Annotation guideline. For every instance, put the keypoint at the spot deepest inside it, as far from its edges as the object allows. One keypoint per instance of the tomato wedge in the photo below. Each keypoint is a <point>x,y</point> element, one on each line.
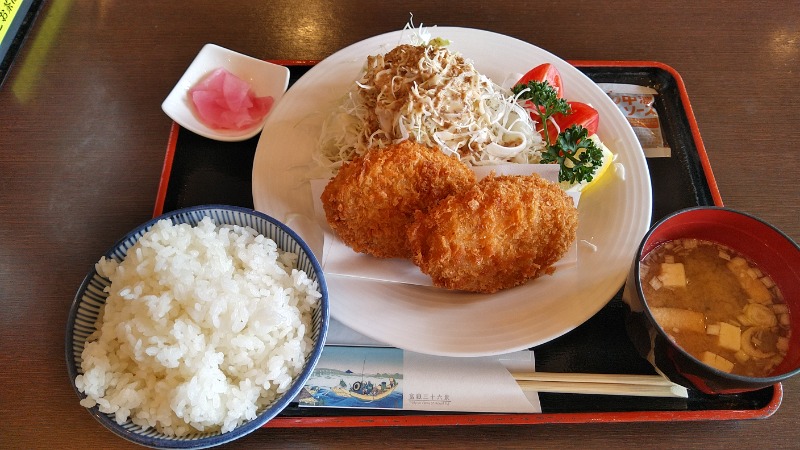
<point>582,114</point>
<point>545,72</point>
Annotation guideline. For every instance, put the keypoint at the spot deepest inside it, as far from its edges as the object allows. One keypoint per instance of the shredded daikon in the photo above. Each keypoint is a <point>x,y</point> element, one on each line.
<point>588,244</point>
<point>435,97</point>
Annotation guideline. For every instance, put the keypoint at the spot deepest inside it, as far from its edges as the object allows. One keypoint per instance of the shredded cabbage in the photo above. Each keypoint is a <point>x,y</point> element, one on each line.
<point>435,97</point>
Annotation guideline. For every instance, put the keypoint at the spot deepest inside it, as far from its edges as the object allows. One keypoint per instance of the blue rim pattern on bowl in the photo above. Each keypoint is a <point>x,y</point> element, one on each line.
<point>90,298</point>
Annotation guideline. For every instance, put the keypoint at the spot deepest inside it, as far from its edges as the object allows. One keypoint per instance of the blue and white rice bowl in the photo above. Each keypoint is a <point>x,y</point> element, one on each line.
<point>91,297</point>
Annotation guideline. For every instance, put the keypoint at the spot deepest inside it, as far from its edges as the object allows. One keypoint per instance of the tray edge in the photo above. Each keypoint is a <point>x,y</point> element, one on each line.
<point>516,419</point>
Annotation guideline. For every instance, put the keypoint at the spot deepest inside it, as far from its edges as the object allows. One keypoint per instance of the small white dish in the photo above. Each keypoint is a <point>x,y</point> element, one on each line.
<point>265,79</point>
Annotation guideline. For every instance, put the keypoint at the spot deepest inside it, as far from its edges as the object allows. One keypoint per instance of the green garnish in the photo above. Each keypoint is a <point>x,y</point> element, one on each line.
<point>439,42</point>
<point>577,155</point>
<point>545,100</point>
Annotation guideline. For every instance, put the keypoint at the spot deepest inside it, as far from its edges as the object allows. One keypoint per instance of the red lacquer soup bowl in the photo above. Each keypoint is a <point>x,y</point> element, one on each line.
<point>772,251</point>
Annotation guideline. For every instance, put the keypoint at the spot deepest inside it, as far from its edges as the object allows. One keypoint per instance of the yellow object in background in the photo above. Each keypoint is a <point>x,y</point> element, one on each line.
<point>8,10</point>
<point>26,82</point>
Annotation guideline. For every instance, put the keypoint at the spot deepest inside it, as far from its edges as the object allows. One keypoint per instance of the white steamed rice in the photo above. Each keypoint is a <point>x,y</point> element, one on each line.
<point>203,326</point>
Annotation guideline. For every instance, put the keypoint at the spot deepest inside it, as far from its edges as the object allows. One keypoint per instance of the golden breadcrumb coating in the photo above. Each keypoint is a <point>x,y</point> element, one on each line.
<point>372,199</point>
<point>501,233</point>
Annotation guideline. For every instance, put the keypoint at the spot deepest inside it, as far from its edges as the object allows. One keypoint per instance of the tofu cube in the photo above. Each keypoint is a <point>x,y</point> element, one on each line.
<point>730,337</point>
<point>716,361</point>
<point>672,275</point>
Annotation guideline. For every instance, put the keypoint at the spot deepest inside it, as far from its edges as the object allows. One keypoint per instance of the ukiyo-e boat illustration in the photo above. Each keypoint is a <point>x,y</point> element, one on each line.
<point>365,390</point>
<point>356,378</point>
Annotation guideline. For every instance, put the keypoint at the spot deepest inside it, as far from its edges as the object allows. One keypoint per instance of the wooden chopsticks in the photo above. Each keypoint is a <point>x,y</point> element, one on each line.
<point>603,384</point>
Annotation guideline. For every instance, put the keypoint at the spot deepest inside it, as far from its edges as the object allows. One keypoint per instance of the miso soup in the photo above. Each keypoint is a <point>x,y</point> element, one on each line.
<point>717,305</point>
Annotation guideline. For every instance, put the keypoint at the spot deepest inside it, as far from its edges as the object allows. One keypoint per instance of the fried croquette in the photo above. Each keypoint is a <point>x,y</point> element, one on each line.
<point>372,200</point>
<point>501,233</point>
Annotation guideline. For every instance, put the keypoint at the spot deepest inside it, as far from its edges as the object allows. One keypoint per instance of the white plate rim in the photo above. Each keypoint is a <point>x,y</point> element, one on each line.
<point>440,322</point>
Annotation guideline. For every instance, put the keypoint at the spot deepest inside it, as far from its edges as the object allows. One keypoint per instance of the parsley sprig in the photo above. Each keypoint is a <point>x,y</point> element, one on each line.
<point>545,100</point>
<point>577,155</point>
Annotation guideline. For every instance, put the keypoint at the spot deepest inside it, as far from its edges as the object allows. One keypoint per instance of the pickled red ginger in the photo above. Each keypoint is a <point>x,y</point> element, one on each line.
<point>223,100</point>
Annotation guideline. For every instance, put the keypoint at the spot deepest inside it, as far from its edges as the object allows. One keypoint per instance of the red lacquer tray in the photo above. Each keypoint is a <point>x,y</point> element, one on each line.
<point>202,171</point>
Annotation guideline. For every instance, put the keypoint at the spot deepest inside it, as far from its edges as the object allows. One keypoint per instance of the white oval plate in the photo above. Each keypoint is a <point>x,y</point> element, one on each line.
<point>613,217</point>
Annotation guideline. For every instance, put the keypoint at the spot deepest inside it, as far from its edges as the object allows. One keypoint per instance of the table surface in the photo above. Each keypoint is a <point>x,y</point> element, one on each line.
<point>82,142</point>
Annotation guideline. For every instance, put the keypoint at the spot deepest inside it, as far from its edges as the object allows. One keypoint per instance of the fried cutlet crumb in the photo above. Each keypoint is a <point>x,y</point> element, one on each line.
<point>501,233</point>
<point>372,200</point>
